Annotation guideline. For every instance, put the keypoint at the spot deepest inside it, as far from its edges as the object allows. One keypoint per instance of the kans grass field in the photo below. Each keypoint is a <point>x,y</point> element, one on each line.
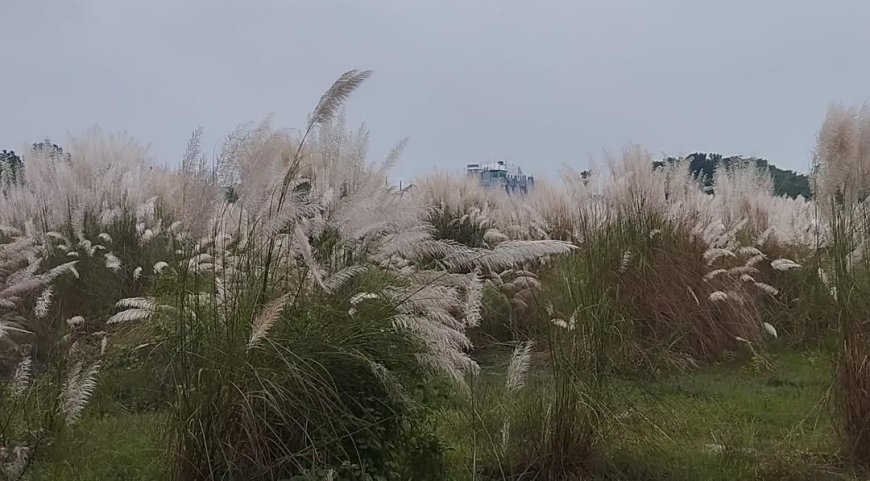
<point>278,311</point>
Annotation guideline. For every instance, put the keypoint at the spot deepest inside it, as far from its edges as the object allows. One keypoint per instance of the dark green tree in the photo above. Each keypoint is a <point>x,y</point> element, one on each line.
<point>51,149</point>
<point>12,164</point>
<point>785,182</point>
<point>11,167</point>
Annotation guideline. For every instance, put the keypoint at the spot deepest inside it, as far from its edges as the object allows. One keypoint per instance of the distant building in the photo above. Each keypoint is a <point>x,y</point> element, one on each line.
<point>502,175</point>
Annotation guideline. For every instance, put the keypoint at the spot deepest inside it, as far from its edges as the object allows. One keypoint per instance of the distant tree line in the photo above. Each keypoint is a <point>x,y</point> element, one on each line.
<point>701,164</point>
<point>12,164</point>
<point>785,182</point>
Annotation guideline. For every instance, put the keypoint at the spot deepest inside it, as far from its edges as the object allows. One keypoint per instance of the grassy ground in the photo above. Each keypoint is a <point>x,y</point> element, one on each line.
<point>757,419</point>
<point>104,447</point>
<point>733,421</point>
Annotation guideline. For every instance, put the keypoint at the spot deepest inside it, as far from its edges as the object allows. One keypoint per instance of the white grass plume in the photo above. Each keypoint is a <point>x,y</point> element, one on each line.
<point>21,379</point>
<point>493,236</point>
<point>23,287</point>
<point>718,296</point>
<point>130,315</point>
<point>626,259</point>
<point>137,302</point>
<point>342,277</point>
<point>712,274</point>
<point>303,248</point>
<point>43,303</point>
<point>135,308</point>
<point>77,390</point>
<point>146,236</point>
<point>112,262</point>
<point>755,260</point>
<point>560,323</point>
<point>784,264</point>
<point>473,300</point>
<point>764,236</point>
<point>75,322</point>
<point>740,270</point>
<point>333,98</point>
<point>748,251</point>
<point>767,288</point>
<point>711,255</point>
<point>62,269</point>
<point>359,297</point>
<point>266,319</point>
<point>505,435</point>
<point>57,236</point>
<point>505,255</point>
<point>87,247</point>
<point>518,367</point>
<point>25,273</point>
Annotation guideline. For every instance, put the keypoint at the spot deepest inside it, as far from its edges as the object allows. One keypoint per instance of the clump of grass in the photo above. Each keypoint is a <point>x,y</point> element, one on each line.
<point>55,364</point>
<point>303,315</point>
<point>320,389</point>
<point>545,419</point>
<point>841,181</point>
<point>853,372</point>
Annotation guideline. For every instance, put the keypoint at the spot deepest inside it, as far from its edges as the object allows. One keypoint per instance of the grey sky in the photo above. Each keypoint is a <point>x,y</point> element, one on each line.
<point>539,83</point>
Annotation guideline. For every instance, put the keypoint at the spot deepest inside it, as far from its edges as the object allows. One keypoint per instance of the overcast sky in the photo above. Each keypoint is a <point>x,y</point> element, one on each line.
<point>540,83</point>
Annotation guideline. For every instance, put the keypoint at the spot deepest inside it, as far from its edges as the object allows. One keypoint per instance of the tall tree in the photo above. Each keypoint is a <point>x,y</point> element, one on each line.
<point>11,167</point>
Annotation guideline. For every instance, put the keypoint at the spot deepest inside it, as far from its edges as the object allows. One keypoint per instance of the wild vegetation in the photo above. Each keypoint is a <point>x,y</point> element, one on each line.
<point>280,312</point>
<point>785,182</point>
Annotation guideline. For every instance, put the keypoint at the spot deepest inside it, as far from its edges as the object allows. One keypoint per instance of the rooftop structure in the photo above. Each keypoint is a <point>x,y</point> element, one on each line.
<point>501,174</point>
